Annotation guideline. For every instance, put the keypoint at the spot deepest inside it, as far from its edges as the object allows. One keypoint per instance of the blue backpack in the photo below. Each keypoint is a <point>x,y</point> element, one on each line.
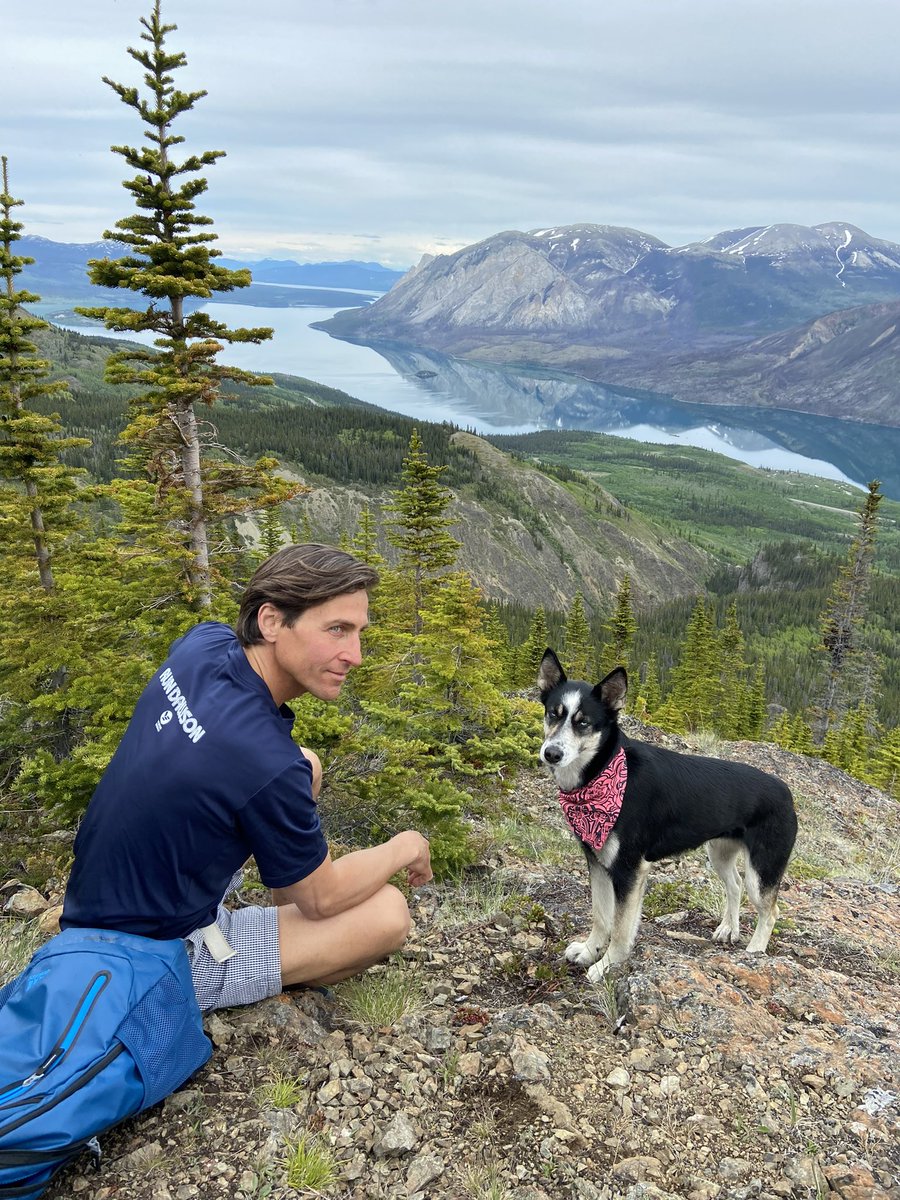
<point>99,1026</point>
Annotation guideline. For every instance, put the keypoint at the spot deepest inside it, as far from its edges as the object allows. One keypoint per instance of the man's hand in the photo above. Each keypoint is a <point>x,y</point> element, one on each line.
<point>418,871</point>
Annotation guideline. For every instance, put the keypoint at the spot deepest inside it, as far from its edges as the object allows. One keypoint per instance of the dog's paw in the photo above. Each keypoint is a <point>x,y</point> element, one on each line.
<point>726,933</point>
<point>599,969</point>
<point>580,953</point>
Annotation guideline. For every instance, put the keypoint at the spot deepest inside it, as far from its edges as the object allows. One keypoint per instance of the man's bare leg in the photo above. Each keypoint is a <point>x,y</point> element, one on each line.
<point>326,951</point>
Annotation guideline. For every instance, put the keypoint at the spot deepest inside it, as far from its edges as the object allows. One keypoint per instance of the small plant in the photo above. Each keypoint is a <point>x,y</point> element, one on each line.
<point>18,941</point>
<point>471,1014</point>
<point>485,1183</point>
<point>282,1091</point>
<point>310,1165</point>
<point>549,973</point>
<point>382,998</point>
<point>523,907</point>
<point>707,742</point>
<point>483,1124</point>
<point>513,964</point>
<point>607,1002</point>
<point>669,896</point>
<point>802,869</point>
<point>448,1069</point>
<point>476,899</point>
<point>548,844</point>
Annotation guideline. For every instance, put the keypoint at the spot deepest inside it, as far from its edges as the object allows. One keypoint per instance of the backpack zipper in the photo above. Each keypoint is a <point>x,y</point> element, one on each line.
<point>66,1041</point>
<point>75,1086</point>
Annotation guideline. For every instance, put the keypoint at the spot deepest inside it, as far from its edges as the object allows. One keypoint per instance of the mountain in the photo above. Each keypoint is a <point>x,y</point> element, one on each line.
<point>844,364</point>
<point>619,306</point>
<point>364,276</point>
<point>59,273</point>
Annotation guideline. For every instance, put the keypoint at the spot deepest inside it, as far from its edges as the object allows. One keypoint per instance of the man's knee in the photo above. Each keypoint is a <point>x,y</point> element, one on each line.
<point>396,916</point>
<point>316,769</point>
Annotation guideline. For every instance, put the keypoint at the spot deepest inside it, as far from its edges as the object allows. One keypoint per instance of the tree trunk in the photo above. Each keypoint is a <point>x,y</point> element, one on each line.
<point>40,540</point>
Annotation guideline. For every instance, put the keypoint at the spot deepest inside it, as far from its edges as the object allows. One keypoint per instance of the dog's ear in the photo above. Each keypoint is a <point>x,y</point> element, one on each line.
<point>550,675</point>
<point>613,689</point>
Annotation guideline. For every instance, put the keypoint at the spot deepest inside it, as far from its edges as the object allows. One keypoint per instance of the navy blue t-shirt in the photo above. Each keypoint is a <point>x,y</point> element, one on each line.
<point>206,775</point>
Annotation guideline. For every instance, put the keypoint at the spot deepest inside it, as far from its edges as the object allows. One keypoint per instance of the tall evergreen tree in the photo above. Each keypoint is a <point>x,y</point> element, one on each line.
<point>365,540</point>
<point>619,630</point>
<point>420,530</point>
<point>171,263</point>
<point>695,683</point>
<point>578,644</point>
<point>734,715</point>
<point>841,623</point>
<point>649,693</point>
<point>38,488</point>
<point>533,648</point>
<point>271,532</point>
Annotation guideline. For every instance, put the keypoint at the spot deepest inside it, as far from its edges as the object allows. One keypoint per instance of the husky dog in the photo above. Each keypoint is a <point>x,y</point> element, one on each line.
<point>631,804</point>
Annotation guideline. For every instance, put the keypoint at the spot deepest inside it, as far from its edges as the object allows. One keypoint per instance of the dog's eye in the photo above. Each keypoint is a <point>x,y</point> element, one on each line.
<point>558,712</point>
<point>581,723</point>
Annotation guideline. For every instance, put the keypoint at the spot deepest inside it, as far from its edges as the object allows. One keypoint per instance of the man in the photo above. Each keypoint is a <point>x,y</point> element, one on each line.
<point>208,774</point>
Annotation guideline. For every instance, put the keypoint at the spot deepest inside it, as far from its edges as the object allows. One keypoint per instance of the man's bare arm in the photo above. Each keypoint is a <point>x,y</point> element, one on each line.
<point>341,884</point>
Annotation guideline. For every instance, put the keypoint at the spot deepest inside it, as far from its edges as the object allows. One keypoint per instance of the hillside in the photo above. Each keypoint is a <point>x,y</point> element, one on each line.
<point>543,515</point>
<point>692,322</point>
<point>479,1065</point>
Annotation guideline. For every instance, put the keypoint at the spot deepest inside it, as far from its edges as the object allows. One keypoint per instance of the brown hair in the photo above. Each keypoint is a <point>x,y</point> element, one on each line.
<point>294,579</point>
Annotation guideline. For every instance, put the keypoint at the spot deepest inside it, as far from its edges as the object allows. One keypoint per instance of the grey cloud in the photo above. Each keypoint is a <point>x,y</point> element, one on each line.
<point>437,124</point>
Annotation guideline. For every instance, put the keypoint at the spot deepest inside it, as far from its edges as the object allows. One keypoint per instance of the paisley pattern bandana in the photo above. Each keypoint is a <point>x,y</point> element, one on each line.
<point>593,810</point>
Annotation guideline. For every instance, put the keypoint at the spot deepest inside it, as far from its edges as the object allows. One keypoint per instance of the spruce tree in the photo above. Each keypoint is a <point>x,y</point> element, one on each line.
<point>649,694</point>
<point>619,630</point>
<point>420,530</point>
<point>271,533</point>
<point>734,716</point>
<point>170,262</point>
<point>886,762</point>
<point>39,488</point>
<point>578,644</point>
<point>694,683</point>
<point>841,624</point>
<point>533,648</point>
<point>365,541</point>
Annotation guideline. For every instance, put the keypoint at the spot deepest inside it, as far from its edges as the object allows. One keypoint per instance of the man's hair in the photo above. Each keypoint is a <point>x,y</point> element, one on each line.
<point>294,579</point>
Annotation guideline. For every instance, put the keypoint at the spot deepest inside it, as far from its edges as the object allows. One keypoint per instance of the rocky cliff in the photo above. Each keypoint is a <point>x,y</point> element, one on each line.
<point>527,539</point>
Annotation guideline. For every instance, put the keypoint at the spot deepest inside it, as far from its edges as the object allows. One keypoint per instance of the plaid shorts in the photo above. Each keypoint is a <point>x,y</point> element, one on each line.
<point>253,973</point>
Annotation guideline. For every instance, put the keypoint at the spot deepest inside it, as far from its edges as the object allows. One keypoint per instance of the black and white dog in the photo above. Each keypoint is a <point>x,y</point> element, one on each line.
<point>631,804</point>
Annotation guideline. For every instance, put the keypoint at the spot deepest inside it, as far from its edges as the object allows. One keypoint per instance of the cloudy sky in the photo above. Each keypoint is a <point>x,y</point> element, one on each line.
<point>383,129</point>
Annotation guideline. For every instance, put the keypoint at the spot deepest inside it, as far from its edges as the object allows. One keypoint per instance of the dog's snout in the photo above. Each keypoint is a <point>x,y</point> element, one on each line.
<point>551,755</point>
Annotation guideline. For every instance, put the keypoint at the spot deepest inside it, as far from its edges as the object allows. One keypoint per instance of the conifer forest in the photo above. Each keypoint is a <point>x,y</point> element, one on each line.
<point>141,485</point>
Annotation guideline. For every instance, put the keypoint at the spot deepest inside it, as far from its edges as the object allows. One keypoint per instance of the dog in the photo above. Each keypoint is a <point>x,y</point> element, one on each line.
<point>631,804</point>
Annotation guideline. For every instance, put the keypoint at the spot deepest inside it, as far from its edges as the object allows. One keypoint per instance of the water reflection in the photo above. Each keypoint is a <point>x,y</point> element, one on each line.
<point>519,400</point>
<point>490,399</point>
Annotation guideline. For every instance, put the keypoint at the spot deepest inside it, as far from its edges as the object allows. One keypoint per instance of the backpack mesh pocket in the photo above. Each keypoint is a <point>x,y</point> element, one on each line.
<point>164,1033</point>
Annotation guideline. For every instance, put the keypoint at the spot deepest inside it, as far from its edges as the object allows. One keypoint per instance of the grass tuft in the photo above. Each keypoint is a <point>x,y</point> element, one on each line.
<point>282,1091</point>
<point>383,997</point>
<point>485,1183</point>
<point>310,1165</point>
<point>18,941</point>
<point>477,898</point>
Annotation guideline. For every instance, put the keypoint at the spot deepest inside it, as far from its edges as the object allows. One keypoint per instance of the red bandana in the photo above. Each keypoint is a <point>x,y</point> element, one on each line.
<point>593,810</point>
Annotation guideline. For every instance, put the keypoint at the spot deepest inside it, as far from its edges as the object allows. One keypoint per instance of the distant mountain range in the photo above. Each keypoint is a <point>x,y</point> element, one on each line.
<point>786,316</point>
<point>59,273</point>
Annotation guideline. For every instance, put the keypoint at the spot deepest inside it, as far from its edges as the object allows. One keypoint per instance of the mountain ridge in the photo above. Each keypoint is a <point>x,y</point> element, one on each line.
<point>60,270</point>
<point>623,308</point>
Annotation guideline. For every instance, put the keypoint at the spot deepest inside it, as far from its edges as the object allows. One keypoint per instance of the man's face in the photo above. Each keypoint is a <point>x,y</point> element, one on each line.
<point>315,654</point>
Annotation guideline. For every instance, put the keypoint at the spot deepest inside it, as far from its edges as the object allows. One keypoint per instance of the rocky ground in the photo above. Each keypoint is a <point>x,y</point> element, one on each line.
<point>696,1072</point>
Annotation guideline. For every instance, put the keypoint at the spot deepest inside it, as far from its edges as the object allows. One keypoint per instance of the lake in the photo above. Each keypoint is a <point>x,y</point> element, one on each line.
<point>432,387</point>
